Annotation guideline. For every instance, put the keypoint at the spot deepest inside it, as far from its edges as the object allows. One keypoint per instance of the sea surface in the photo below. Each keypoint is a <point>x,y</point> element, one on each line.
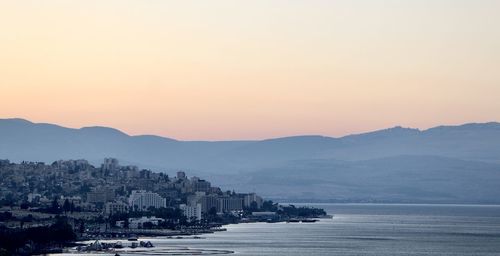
<point>356,229</point>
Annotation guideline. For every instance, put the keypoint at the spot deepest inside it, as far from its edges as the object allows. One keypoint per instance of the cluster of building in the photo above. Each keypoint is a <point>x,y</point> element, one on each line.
<point>200,198</point>
<point>113,189</point>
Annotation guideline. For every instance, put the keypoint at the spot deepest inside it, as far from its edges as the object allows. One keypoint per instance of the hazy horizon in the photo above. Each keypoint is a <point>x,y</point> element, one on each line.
<point>249,139</point>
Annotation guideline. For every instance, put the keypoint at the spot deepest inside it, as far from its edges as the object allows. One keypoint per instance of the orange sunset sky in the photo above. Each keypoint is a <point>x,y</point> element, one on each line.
<point>222,70</point>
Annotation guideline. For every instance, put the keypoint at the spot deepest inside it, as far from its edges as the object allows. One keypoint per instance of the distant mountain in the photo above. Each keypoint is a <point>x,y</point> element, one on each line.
<point>378,165</point>
<point>22,140</point>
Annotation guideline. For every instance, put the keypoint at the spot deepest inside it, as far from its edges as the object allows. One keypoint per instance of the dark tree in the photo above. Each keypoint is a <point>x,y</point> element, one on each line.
<point>126,223</point>
<point>81,229</point>
<point>66,205</point>
<point>24,205</point>
<point>212,211</point>
<point>254,206</point>
<point>147,225</point>
<point>55,206</point>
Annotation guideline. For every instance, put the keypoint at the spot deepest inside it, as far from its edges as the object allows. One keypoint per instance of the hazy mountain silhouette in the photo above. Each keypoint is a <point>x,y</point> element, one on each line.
<point>445,163</point>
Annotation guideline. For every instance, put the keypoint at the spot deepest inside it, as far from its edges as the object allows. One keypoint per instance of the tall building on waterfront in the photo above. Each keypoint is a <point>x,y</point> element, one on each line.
<point>192,212</point>
<point>252,198</point>
<point>207,201</point>
<point>227,204</point>
<point>142,200</point>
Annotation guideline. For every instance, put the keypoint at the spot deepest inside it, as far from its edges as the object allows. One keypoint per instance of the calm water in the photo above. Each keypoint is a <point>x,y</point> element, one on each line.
<point>363,230</point>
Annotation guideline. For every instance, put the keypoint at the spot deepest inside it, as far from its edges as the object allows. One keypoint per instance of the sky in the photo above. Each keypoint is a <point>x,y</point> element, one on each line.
<point>225,70</point>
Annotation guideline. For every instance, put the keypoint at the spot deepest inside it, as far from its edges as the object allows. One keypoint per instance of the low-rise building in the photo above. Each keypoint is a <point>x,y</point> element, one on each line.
<point>34,197</point>
<point>264,216</point>
<point>140,222</point>
<point>113,208</point>
<point>101,195</point>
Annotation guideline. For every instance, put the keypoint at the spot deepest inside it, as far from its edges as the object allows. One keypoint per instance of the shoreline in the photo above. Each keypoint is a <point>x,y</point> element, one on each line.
<point>125,233</point>
<point>168,236</point>
<point>392,204</point>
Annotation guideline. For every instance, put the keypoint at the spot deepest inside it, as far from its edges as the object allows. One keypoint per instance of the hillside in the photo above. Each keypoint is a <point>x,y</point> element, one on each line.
<point>445,163</point>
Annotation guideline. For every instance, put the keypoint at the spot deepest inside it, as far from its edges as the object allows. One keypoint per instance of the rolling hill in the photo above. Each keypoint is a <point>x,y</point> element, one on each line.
<point>441,164</point>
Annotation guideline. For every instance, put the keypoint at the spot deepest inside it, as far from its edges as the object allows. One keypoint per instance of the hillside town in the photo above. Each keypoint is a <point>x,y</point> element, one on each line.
<point>119,201</point>
<point>111,189</point>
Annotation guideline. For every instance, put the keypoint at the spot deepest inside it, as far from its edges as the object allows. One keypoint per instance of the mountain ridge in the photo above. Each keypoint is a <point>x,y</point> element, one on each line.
<point>490,124</point>
<point>395,155</point>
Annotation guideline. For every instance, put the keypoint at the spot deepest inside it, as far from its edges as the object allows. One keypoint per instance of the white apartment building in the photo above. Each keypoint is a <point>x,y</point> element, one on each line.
<point>191,212</point>
<point>142,200</point>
